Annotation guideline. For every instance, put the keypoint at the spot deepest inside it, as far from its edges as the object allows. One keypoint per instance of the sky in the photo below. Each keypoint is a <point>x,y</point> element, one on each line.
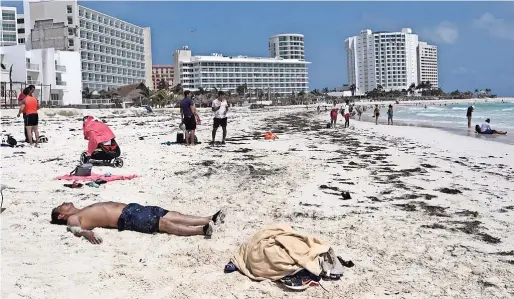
<point>475,39</point>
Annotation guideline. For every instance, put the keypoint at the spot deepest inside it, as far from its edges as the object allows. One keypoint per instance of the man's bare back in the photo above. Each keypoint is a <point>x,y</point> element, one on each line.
<point>133,217</point>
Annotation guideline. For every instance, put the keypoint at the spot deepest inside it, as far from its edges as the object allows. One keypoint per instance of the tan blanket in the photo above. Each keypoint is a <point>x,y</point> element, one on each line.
<point>277,251</point>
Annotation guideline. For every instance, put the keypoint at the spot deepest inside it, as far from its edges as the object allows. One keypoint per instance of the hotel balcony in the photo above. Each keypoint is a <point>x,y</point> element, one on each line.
<point>32,67</point>
<point>60,83</point>
<point>33,82</point>
<point>60,68</point>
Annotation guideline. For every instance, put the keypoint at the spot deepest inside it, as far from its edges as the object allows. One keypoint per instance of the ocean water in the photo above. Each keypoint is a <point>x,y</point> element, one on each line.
<point>453,117</point>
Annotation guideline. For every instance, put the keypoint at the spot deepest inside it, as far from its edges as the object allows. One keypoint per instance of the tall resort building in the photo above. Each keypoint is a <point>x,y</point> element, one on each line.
<point>9,34</point>
<point>388,59</point>
<point>427,64</point>
<point>287,46</point>
<point>276,74</point>
<point>113,52</point>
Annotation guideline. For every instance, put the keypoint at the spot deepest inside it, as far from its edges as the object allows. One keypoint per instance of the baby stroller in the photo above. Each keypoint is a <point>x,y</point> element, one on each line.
<point>106,155</point>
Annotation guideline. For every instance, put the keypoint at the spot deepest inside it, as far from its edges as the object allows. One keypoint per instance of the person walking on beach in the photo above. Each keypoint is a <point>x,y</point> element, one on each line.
<point>132,217</point>
<point>29,107</point>
<point>220,109</point>
<point>359,111</point>
<point>390,115</point>
<point>187,113</point>
<point>333,115</point>
<point>347,114</point>
<point>376,114</point>
<point>21,97</point>
<point>319,109</point>
<point>469,113</point>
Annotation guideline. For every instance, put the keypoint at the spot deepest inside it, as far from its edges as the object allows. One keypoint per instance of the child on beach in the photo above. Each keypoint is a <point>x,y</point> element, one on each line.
<point>390,115</point>
<point>376,113</point>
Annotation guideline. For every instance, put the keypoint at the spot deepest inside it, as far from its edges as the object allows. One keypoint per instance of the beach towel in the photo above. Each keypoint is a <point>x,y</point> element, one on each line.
<point>278,251</point>
<point>95,176</point>
<point>96,132</point>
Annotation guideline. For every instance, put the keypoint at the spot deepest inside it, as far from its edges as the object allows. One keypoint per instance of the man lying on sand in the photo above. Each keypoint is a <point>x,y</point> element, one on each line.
<point>134,217</point>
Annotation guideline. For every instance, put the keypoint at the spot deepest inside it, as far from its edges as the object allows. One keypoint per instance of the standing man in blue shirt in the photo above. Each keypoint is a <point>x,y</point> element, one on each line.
<point>187,112</point>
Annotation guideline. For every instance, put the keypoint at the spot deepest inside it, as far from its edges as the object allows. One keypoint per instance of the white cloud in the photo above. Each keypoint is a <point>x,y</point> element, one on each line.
<point>444,32</point>
<point>461,70</point>
<point>496,27</point>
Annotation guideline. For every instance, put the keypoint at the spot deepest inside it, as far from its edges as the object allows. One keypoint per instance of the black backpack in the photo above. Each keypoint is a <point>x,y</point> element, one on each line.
<point>11,141</point>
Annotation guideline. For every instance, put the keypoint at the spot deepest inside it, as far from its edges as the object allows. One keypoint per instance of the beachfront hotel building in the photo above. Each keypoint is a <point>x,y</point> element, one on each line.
<point>274,74</point>
<point>427,64</point>
<point>56,74</point>
<point>162,72</point>
<point>9,33</point>
<point>113,52</point>
<point>388,59</point>
<point>287,46</point>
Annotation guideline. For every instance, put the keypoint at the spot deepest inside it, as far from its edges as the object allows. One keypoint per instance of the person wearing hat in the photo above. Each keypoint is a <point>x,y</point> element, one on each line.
<point>486,128</point>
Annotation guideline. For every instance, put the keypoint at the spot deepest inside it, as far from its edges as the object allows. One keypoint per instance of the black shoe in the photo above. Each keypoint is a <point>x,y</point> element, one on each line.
<point>301,280</point>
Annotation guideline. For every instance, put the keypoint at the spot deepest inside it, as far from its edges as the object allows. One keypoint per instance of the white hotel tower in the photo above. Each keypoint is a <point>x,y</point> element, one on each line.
<point>113,52</point>
<point>287,46</point>
<point>389,59</point>
<point>281,74</point>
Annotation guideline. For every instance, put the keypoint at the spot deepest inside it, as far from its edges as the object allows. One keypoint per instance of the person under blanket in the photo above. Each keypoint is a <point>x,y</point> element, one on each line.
<point>134,217</point>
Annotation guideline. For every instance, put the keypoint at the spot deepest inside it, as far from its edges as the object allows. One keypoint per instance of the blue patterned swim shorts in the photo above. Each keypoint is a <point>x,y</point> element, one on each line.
<point>138,218</point>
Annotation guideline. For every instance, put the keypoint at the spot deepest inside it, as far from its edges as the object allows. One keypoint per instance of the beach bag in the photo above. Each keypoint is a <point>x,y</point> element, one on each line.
<point>82,170</point>
<point>180,138</point>
<point>43,139</point>
<point>11,141</point>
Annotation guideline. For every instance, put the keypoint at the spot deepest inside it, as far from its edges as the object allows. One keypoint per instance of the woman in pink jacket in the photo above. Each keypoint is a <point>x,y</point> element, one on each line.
<point>102,146</point>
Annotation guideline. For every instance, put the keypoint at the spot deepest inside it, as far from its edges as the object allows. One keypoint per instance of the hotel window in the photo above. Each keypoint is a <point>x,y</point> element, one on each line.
<point>69,9</point>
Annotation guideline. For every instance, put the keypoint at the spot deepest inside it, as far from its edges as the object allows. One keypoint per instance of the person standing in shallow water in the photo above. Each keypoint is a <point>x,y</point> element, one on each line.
<point>390,115</point>
<point>376,114</point>
<point>469,113</point>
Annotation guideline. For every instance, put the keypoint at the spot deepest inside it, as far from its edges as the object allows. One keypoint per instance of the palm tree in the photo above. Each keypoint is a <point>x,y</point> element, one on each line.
<point>145,93</point>
<point>260,94</point>
<point>177,89</point>
<point>301,96</point>
<point>240,90</point>
<point>86,93</point>
<point>487,91</point>
<point>325,90</point>
<point>411,88</point>
<point>352,89</point>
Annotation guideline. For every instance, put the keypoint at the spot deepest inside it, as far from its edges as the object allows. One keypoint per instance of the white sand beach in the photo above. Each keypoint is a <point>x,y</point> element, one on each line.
<point>431,214</point>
